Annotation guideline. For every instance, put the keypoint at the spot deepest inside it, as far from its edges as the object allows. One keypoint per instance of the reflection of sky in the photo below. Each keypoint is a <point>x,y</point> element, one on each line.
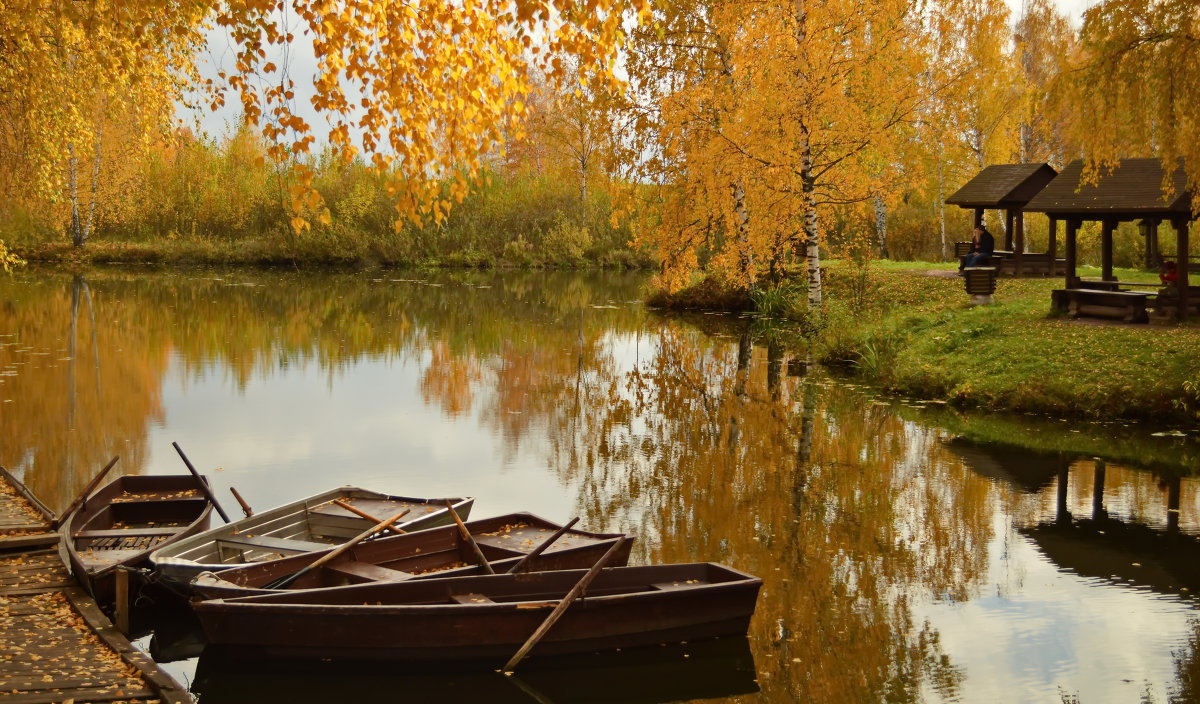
<point>1036,632</point>
<point>294,434</point>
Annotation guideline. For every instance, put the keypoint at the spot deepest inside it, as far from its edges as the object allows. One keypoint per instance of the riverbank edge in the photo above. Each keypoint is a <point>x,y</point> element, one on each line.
<point>924,341</point>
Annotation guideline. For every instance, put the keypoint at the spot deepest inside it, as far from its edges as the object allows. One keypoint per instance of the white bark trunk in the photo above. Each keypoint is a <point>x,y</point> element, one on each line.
<point>881,226</point>
<point>73,194</point>
<point>742,232</point>
<point>812,251</point>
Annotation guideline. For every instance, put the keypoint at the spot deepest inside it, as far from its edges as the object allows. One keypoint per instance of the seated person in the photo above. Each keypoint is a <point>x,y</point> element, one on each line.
<point>1168,274</point>
<point>983,244</point>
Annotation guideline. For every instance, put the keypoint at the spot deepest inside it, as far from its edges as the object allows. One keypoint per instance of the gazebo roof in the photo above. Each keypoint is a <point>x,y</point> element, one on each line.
<point>1003,186</point>
<point>1132,190</point>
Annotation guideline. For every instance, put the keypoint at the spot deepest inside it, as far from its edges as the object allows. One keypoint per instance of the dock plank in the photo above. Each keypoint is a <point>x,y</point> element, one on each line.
<point>56,644</point>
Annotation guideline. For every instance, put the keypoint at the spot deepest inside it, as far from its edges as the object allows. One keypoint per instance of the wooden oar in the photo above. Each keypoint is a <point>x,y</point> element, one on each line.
<point>203,484</point>
<point>545,544</point>
<point>86,492</point>
<point>469,539</point>
<point>359,512</point>
<point>563,605</point>
<point>242,502</point>
<point>283,582</point>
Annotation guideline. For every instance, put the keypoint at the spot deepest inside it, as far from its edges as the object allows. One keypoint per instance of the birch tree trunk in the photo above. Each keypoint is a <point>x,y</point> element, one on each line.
<point>73,194</point>
<point>881,226</point>
<point>91,218</point>
<point>742,232</point>
<point>812,252</point>
<point>941,208</point>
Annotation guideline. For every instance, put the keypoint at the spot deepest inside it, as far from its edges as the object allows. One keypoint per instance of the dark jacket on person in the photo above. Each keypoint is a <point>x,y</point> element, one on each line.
<point>987,243</point>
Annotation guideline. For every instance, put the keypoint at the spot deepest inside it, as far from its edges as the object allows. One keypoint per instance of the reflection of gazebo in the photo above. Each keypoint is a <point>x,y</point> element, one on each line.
<point>1109,548</point>
<point>1008,187</point>
<point>1131,192</point>
<point>1029,470</point>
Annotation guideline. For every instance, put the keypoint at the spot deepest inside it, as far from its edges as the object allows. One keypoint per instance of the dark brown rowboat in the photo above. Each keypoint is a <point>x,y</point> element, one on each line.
<point>485,619</point>
<point>119,525</point>
<point>430,553</point>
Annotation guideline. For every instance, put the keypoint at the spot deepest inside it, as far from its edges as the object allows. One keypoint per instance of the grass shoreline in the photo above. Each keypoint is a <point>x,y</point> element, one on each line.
<point>907,331</point>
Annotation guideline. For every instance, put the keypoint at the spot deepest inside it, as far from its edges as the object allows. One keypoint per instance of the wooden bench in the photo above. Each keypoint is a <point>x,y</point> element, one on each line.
<point>1033,263</point>
<point>1129,306</point>
<point>366,572</point>
<point>980,282</point>
<point>962,249</point>
<point>471,599</point>
<point>266,542</point>
<point>120,533</point>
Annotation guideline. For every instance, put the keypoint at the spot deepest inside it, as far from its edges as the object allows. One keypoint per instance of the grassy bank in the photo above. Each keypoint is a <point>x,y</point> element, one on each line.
<point>916,334</point>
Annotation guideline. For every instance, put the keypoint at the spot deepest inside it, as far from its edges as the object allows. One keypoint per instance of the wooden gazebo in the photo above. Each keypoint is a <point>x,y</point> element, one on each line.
<point>1132,191</point>
<point>1007,187</point>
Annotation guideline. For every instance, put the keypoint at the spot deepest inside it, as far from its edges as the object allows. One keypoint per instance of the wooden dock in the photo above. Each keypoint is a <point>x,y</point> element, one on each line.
<point>55,643</point>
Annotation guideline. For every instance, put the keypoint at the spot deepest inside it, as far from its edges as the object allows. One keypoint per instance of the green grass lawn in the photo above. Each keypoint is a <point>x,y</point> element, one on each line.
<point>917,334</point>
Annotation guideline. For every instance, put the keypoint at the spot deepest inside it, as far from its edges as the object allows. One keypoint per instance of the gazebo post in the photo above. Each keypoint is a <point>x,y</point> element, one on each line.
<point>1181,264</point>
<point>1052,244</point>
<point>1149,230</point>
<point>1008,229</point>
<point>1106,247</point>
<point>978,218</point>
<point>1072,228</point>
<point>1019,233</point>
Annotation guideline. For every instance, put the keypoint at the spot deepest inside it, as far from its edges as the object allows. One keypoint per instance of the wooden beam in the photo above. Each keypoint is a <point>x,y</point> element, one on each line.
<point>1106,250</point>
<point>1144,231</point>
<point>1052,242</point>
<point>1019,244</point>
<point>978,217</point>
<point>1072,229</point>
<point>1008,229</point>
<point>1181,264</point>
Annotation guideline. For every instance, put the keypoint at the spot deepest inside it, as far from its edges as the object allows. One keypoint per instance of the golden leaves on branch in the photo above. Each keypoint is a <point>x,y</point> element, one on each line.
<point>422,90</point>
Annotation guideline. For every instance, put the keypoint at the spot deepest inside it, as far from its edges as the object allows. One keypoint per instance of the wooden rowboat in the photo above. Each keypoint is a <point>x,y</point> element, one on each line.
<point>430,553</point>
<point>119,525</point>
<point>313,523</point>
<point>485,619</point>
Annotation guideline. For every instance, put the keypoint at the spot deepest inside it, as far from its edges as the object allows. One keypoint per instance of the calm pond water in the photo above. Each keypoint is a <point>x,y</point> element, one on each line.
<point>909,553</point>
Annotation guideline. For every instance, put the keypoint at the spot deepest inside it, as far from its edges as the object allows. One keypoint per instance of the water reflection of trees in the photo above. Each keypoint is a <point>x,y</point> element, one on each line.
<point>83,359</point>
<point>81,383</point>
<point>709,451</point>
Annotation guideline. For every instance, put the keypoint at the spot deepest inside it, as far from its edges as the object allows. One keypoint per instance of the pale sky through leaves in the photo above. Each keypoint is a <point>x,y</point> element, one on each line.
<point>301,63</point>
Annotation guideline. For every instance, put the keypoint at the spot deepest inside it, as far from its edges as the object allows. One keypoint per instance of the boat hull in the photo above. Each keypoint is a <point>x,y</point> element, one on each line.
<point>432,553</point>
<point>444,620</point>
<point>114,529</point>
<point>292,524</point>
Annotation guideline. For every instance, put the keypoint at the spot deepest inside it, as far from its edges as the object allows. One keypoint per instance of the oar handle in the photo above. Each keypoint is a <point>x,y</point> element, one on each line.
<point>359,512</point>
<point>283,582</point>
<point>545,544</point>
<point>359,538</point>
<point>563,605</point>
<point>203,484</point>
<point>242,502</point>
<point>469,539</point>
<point>86,492</point>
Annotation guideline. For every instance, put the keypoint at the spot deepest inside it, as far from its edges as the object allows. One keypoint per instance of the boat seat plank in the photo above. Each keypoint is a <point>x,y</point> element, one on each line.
<point>471,599</point>
<point>369,572</point>
<point>126,532</point>
<point>671,586</point>
<point>266,542</point>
